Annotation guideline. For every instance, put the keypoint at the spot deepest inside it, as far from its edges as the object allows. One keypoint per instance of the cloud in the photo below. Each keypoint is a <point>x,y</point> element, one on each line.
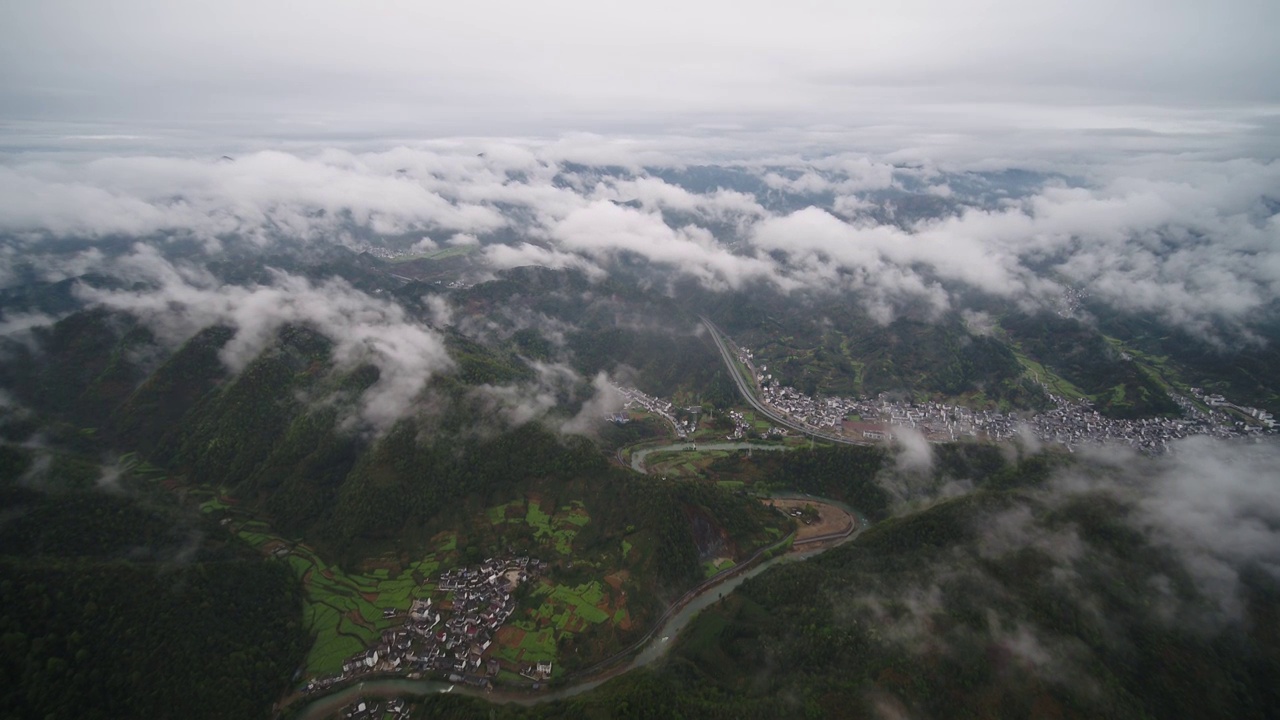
<point>179,301</point>
<point>1205,512</point>
<point>604,401</point>
<point>257,195</point>
<point>440,310</point>
<point>507,256</point>
<point>921,73</point>
<point>18,324</point>
<point>1212,501</point>
<point>914,453</point>
<point>520,403</point>
<point>1192,241</point>
<point>463,240</point>
<point>604,230</point>
<point>1218,505</point>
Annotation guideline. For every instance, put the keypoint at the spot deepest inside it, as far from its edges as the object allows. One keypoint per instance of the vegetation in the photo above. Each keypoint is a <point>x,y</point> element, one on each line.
<point>1120,387</point>
<point>134,603</point>
<point>842,472</point>
<point>922,615</point>
<point>115,607</point>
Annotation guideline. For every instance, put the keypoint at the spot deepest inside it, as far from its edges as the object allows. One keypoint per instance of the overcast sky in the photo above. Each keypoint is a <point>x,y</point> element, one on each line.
<point>916,71</point>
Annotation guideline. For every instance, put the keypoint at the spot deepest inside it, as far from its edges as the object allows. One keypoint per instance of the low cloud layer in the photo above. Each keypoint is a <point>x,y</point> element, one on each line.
<point>178,301</point>
<point>1214,503</point>
<point>1070,569</point>
<point>1218,506</point>
<point>544,399</point>
<point>1193,242</point>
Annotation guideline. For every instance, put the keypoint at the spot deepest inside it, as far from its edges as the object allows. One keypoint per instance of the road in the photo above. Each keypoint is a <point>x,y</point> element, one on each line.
<point>638,456</point>
<point>651,647</point>
<point>759,405</point>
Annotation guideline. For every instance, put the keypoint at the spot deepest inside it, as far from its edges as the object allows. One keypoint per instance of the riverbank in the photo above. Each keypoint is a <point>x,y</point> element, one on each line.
<point>650,648</point>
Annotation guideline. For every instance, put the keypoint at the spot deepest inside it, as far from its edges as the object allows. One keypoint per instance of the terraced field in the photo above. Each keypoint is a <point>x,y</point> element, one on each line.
<point>343,610</point>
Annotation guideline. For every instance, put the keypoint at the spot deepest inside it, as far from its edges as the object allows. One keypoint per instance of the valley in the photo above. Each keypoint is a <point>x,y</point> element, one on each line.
<point>402,474</point>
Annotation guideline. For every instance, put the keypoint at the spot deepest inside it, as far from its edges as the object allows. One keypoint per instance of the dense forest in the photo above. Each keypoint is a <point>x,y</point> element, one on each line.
<point>122,602</point>
<point>1119,387</point>
<point>934,615</point>
<point>115,606</point>
<point>1245,372</point>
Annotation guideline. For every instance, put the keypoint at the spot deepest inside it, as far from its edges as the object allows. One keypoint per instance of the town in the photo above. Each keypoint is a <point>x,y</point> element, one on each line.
<point>449,637</point>
<point>1070,423</point>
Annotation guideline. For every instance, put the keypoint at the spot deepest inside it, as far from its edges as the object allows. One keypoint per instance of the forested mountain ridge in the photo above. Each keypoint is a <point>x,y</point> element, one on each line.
<point>278,423</point>
<point>115,605</point>
<point>1023,597</point>
<point>274,434</point>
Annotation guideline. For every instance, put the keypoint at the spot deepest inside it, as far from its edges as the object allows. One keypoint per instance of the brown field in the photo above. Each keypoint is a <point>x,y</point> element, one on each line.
<point>509,636</point>
<point>357,619</point>
<point>831,519</point>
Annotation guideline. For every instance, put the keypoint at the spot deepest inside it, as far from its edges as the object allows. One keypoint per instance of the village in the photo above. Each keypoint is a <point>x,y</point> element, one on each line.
<point>657,406</point>
<point>449,637</point>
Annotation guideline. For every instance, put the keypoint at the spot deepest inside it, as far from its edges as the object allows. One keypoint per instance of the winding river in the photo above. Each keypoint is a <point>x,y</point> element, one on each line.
<point>652,650</point>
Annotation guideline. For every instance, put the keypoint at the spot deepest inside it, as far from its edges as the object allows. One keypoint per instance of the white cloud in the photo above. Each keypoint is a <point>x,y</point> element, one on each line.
<point>913,452</point>
<point>306,198</point>
<point>1193,241</point>
<point>507,256</point>
<point>181,301</point>
<point>604,400</point>
<point>603,230</point>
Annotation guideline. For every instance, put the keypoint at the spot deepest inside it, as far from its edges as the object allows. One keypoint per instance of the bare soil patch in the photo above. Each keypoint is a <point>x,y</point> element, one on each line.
<point>831,519</point>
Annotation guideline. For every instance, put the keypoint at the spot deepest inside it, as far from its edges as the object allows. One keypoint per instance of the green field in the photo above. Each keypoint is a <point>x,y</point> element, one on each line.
<point>557,530</point>
<point>343,611</point>
<point>441,254</point>
<point>1042,374</point>
<point>583,600</point>
<point>216,503</point>
<point>711,568</point>
<point>536,647</point>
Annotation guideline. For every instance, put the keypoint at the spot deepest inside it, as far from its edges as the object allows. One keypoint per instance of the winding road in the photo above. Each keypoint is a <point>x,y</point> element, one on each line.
<point>638,456</point>
<point>760,406</point>
<point>653,646</point>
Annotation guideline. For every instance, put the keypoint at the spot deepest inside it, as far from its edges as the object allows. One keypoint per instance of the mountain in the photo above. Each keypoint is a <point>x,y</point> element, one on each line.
<point>1022,598</point>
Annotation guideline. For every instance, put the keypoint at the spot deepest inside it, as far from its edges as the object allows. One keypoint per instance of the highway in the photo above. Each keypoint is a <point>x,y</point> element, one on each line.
<point>760,406</point>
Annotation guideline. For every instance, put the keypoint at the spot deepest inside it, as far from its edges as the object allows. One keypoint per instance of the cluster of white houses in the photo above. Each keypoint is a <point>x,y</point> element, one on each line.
<point>451,637</point>
<point>363,709</point>
<point>1069,422</point>
<point>657,406</point>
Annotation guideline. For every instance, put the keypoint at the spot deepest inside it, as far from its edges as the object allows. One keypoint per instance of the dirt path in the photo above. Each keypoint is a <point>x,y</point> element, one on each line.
<point>831,519</point>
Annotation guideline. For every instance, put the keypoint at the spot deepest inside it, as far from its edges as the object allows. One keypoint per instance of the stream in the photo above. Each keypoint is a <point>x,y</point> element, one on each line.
<point>657,647</point>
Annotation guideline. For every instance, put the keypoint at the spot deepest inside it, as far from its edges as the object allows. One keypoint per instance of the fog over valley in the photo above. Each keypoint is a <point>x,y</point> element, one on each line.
<point>711,360</point>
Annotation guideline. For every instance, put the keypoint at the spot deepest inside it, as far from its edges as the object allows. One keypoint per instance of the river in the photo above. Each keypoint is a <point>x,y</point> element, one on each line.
<point>655,649</point>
